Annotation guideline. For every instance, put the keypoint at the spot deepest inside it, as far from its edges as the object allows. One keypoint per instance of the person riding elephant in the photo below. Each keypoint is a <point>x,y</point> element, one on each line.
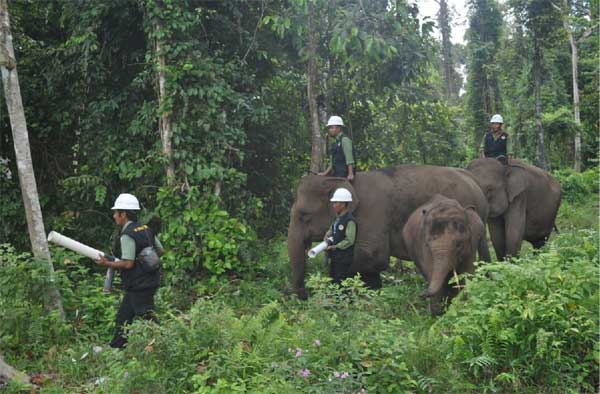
<point>442,239</point>
<point>523,200</point>
<point>343,156</point>
<point>496,144</point>
<point>382,201</point>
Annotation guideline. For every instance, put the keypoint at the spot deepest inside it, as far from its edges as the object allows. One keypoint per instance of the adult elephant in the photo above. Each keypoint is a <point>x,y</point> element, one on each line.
<point>382,202</point>
<point>523,201</point>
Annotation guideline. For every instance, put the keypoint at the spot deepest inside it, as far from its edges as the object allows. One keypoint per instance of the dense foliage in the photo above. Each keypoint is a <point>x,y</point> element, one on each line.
<point>526,326</point>
<point>235,82</point>
<point>103,80</point>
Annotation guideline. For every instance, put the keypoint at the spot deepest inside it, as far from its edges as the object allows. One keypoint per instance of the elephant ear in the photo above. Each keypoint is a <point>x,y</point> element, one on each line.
<point>516,182</point>
<point>330,184</point>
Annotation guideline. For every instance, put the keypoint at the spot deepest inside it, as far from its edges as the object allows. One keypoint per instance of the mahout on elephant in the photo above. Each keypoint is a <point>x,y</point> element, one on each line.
<point>382,201</point>
<point>442,238</point>
<point>523,202</point>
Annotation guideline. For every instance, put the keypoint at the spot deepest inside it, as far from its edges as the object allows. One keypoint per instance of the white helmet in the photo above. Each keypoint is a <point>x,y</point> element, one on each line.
<point>127,202</point>
<point>496,119</point>
<point>335,121</point>
<point>341,195</point>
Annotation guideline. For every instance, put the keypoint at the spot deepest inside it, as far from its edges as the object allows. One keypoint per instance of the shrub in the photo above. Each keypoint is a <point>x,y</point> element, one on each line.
<point>26,327</point>
<point>577,186</point>
<point>198,234</point>
<point>532,322</point>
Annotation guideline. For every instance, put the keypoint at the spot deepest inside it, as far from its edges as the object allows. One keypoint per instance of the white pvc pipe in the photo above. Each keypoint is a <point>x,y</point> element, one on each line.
<point>83,250</point>
<point>75,246</point>
<point>317,249</point>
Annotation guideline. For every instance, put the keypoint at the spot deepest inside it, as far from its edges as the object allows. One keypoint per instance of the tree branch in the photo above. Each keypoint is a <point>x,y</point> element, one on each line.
<point>262,13</point>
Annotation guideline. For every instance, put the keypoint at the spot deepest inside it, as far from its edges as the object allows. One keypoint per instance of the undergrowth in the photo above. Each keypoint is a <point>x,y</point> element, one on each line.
<point>525,326</point>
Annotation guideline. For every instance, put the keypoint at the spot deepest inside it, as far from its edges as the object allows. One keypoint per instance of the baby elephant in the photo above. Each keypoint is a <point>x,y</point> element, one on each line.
<point>442,237</point>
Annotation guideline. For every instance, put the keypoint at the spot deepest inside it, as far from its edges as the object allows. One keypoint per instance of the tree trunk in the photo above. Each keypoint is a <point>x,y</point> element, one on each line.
<point>8,373</point>
<point>317,140</point>
<point>164,123</point>
<point>537,77</point>
<point>444,26</point>
<point>33,211</point>
<point>574,62</point>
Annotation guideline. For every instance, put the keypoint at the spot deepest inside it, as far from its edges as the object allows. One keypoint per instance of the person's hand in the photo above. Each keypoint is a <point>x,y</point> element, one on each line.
<point>331,247</point>
<point>322,173</point>
<point>325,237</point>
<point>350,177</point>
<point>103,261</point>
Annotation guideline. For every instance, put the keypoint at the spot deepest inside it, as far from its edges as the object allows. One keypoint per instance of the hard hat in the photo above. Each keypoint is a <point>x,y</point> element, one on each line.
<point>127,202</point>
<point>496,119</point>
<point>341,195</point>
<point>335,121</point>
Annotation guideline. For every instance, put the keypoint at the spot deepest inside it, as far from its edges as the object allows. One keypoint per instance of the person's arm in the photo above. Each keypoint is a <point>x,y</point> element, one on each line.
<point>327,234</point>
<point>127,260</point>
<point>482,147</point>
<point>349,156</point>
<point>349,239</point>
<point>117,264</point>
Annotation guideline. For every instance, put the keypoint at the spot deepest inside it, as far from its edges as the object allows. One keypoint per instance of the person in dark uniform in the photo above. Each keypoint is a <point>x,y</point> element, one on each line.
<point>342,152</point>
<point>341,236</point>
<point>495,142</point>
<point>139,282</point>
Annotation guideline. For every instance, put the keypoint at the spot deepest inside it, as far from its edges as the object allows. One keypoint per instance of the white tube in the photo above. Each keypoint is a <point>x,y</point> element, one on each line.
<point>83,250</point>
<point>317,249</point>
<point>73,245</point>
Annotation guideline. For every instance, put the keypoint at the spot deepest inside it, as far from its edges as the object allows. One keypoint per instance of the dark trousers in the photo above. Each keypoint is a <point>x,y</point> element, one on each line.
<point>134,304</point>
<point>339,269</point>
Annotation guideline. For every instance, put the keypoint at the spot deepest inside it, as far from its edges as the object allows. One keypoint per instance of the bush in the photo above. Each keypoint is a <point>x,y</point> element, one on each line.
<point>197,234</point>
<point>578,186</point>
<point>26,327</point>
<point>532,322</point>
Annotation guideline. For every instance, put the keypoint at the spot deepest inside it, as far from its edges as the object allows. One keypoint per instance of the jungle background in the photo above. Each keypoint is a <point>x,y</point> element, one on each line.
<point>242,90</point>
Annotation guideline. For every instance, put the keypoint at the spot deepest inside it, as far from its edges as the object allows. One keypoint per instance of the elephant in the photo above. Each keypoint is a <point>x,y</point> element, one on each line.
<point>442,239</point>
<point>523,201</point>
<point>382,202</point>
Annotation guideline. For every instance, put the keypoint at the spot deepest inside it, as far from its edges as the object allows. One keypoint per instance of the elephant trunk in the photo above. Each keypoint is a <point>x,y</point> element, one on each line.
<point>296,249</point>
<point>444,262</point>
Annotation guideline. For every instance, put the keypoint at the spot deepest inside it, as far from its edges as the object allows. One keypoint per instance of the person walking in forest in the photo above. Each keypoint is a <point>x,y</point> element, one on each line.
<point>140,279</point>
<point>342,151</point>
<point>341,236</point>
<point>495,142</point>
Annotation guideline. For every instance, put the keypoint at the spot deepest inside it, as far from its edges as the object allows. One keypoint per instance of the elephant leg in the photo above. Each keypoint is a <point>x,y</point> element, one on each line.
<point>496,227</point>
<point>483,250</point>
<point>371,279</point>
<point>539,243</point>
<point>514,225</point>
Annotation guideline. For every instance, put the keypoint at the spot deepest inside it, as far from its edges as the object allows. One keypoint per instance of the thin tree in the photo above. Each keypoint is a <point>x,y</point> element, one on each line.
<point>447,63</point>
<point>164,122</point>
<point>565,14</point>
<point>483,90</point>
<point>317,140</point>
<point>12,94</point>
<point>537,88</point>
<point>7,372</point>
<point>541,19</point>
